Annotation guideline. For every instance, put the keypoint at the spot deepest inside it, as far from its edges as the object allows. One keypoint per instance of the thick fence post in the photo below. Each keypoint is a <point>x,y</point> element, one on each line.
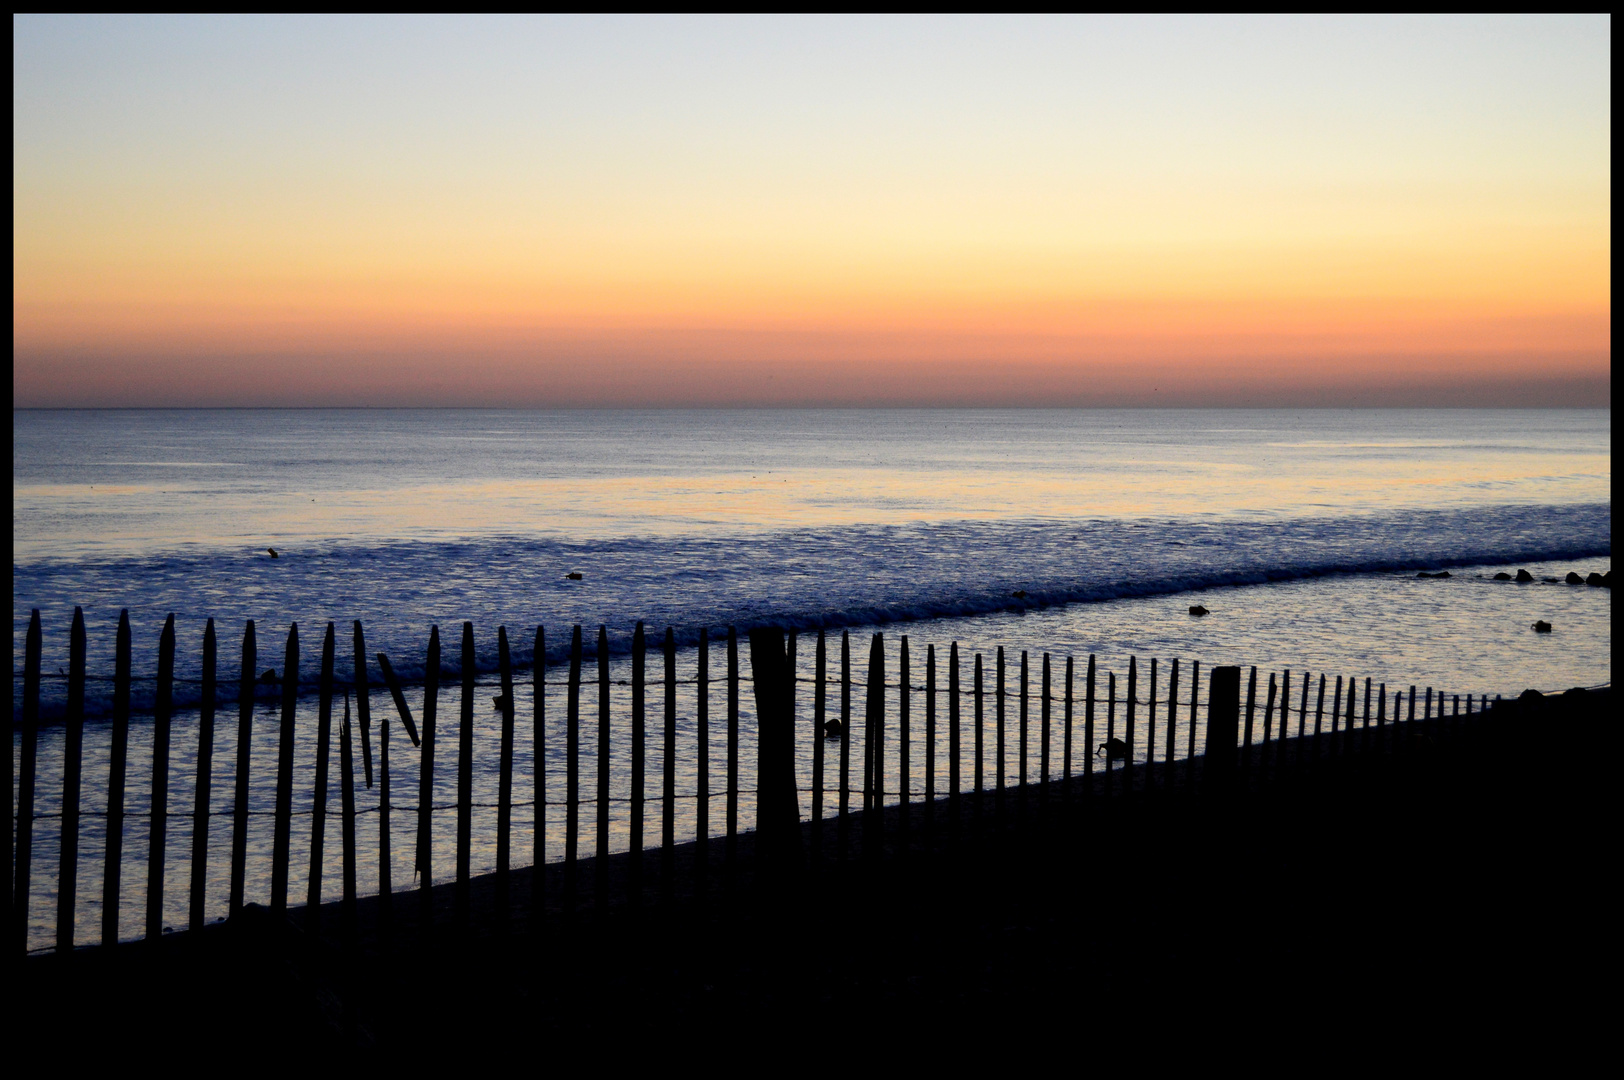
<point>113,868</point>
<point>67,889</point>
<point>1129,723</point>
<point>205,770</point>
<point>778,825</point>
<point>1223,728</point>
<point>23,869</point>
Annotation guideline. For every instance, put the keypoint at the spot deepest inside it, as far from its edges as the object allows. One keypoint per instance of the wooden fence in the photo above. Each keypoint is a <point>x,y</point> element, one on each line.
<point>1243,731</point>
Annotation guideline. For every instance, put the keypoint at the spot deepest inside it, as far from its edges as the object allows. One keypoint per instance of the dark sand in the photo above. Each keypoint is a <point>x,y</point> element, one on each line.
<point>1449,890</point>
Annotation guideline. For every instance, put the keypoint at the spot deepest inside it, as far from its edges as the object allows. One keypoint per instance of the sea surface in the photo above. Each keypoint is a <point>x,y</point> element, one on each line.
<point>1066,532</point>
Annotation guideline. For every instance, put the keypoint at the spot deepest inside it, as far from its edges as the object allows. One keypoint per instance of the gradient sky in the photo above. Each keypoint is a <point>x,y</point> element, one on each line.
<point>641,211</point>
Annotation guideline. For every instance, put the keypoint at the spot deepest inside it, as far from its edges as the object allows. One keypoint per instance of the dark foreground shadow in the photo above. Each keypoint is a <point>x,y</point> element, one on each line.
<point>1446,888</point>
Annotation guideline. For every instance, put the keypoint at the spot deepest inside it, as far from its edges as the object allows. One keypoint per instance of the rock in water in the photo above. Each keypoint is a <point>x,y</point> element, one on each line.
<point>832,729</point>
<point>1574,579</point>
<point>572,576</point>
<point>1542,627</point>
<point>1197,610</point>
<point>1595,579</point>
<point>274,555</point>
<point>1524,575</point>
<point>1502,576</point>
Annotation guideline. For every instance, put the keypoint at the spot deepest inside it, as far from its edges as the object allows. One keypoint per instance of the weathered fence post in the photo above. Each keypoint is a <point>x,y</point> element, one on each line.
<point>283,828</point>
<point>157,839</point>
<point>318,805</point>
<point>205,770</point>
<point>1223,722</point>
<point>1251,706</point>
<point>112,870</point>
<point>67,888</point>
<point>778,816</point>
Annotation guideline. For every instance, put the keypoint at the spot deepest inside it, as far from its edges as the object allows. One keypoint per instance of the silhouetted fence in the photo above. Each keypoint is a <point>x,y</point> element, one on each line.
<point>1070,719</point>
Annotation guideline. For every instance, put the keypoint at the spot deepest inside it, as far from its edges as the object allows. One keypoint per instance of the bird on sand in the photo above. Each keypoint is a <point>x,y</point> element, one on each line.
<point>1113,749</point>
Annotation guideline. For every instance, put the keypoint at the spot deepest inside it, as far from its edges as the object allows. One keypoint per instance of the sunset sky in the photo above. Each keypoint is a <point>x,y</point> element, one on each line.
<point>349,211</point>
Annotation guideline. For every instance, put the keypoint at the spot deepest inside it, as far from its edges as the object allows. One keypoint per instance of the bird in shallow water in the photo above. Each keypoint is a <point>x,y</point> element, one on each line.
<point>500,702</point>
<point>1113,749</point>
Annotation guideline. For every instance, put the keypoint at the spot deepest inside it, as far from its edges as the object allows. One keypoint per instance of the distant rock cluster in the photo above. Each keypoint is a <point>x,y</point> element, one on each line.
<point>1593,579</point>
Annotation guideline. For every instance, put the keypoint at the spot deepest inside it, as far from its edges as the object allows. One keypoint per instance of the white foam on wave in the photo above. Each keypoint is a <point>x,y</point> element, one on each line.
<point>853,576</point>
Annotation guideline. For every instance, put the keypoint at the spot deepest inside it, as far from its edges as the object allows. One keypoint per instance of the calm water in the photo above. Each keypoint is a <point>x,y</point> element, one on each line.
<point>1300,530</point>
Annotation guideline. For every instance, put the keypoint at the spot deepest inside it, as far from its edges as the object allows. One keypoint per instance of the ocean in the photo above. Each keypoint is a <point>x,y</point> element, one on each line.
<point>1067,532</point>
